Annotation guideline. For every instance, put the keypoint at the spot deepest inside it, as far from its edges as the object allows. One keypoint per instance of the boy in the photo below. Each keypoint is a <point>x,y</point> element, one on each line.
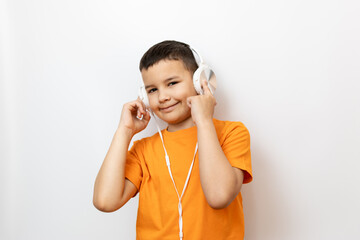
<point>211,206</point>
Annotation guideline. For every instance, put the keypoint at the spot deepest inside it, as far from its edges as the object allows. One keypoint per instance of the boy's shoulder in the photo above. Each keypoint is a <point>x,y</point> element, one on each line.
<point>149,139</point>
<point>226,122</point>
<point>225,125</point>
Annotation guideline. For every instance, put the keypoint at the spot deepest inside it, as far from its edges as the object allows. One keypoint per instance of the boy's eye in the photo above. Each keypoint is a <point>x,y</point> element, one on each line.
<point>172,83</point>
<point>152,90</point>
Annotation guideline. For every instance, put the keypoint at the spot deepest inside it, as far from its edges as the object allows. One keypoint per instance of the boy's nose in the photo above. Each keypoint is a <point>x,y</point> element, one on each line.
<point>163,97</point>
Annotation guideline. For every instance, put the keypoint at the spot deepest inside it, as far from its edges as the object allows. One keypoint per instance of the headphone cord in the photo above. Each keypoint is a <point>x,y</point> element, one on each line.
<point>181,234</point>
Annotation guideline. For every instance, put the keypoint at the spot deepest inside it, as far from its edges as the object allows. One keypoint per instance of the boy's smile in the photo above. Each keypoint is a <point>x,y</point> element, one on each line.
<point>168,85</point>
<point>169,108</point>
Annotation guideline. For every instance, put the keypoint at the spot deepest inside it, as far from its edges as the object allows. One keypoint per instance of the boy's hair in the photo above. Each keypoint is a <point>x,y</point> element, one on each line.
<point>169,50</point>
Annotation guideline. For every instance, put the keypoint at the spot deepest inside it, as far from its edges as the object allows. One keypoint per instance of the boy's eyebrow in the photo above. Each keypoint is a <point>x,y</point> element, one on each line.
<point>165,81</point>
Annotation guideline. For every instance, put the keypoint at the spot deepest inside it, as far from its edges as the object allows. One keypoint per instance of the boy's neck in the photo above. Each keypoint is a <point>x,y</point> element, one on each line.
<point>188,123</point>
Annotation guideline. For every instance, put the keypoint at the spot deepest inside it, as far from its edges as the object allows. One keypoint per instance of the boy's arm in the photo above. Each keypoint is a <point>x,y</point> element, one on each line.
<point>220,182</point>
<point>111,189</point>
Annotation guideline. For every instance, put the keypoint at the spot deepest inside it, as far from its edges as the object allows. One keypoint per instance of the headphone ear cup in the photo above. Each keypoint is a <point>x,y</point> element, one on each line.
<point>199,74</point>
<point>196,80</point>
<point>143,96</point>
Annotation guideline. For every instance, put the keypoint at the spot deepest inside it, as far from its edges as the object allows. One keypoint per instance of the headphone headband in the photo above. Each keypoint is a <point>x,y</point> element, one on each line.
<point>198,55</point>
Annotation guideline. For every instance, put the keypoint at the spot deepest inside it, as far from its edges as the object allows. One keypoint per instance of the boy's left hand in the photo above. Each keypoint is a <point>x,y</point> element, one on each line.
<point>202,106</point>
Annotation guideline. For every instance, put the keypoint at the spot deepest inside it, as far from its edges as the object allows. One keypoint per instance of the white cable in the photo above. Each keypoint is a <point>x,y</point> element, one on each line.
<point>162,140</point>
<point>181,234</point>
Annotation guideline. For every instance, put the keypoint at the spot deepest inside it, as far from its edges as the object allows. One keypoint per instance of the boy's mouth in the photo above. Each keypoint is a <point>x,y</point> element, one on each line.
<point>169,108</point>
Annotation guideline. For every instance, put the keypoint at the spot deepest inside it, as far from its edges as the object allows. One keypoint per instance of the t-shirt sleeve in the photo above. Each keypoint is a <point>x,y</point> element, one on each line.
<point>133,170</point>
<point>236,147</point>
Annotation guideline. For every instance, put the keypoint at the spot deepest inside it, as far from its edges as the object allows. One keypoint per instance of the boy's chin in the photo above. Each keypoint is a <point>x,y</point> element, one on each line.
<point>175,117</point>
<point>176,120</point>
<point>168,119</point>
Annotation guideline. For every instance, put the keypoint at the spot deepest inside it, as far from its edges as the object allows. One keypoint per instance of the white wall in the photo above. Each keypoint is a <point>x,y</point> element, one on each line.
<point>289,70</point>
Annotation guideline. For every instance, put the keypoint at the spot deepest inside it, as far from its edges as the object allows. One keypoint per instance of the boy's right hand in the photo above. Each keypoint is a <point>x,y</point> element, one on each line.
<point>131,114</point>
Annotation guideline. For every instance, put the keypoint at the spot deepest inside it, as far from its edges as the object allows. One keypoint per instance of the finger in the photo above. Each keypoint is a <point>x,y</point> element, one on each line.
<point>205,87</point>
<point>141,105</point>
<point>147,116</point>
<point>188,101</point>
<point>137,108</point>
<point>139,116</point>
<point>134,109</point>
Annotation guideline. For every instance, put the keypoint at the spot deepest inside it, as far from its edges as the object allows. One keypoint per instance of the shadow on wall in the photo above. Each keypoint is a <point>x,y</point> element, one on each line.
<point>265,206</point>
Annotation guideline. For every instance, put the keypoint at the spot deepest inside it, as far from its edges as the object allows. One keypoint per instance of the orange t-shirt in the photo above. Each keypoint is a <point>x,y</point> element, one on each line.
<point>158,216</point>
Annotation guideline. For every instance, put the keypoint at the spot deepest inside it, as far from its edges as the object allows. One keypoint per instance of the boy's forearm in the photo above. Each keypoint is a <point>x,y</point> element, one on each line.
<point>217,176</point>
<point>109,183</point>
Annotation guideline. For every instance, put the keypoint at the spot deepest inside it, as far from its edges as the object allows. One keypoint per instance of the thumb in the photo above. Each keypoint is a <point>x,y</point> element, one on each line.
<point>147,115</point>
<point>188,101</point>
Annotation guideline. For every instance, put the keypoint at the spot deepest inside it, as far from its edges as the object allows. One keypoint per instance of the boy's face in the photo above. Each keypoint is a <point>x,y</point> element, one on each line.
<point>168,84</point>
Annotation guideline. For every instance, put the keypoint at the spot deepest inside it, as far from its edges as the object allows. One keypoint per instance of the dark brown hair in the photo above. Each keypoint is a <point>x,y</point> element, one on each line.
<point>170,50</point>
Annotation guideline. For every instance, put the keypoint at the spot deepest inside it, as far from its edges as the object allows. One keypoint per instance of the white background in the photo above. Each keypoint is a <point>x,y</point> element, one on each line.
<point>289,70</point>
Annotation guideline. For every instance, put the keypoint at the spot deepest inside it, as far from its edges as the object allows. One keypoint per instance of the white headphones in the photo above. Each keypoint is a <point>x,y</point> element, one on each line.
<point>203,71</point>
